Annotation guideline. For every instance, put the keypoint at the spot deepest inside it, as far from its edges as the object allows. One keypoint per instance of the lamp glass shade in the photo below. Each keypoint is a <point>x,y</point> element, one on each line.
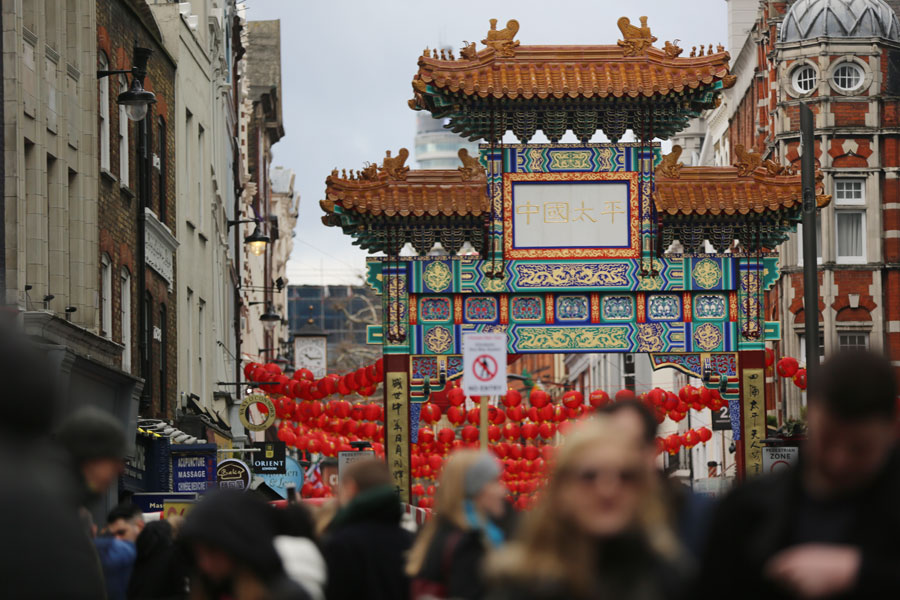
<point>257,247</point>
<point>136,112</point>
<point>136,100</point>
<point>270,318</point>
<point>257,241</point>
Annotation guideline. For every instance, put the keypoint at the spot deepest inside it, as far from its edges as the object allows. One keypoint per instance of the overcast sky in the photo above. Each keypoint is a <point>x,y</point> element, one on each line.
<point>346,71</point>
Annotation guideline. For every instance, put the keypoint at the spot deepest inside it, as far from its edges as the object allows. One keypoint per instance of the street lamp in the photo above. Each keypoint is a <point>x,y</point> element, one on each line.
<point>270,318</point>
<point>135,99</point>
<point>257,240</point>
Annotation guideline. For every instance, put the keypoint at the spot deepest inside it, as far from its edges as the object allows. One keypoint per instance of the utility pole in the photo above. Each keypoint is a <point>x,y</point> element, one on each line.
<point>810,274</point>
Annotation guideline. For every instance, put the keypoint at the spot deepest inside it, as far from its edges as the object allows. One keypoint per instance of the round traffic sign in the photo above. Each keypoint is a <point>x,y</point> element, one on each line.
<point>485,367</point>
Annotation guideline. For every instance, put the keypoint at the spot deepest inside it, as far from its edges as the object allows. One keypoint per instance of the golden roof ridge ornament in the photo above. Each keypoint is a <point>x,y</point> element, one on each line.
<point>470,168</point>
<point>502,41</point>
<point>747,162</point>
<point>637,39</point>
<point>669,165</point>
<point>394,167</point>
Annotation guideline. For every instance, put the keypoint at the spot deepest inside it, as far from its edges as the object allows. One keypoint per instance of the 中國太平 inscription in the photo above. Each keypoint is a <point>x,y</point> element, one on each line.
<point>571,215</point>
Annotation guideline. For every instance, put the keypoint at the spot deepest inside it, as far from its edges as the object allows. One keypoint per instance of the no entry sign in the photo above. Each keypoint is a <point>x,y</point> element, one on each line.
<point>484,364</point>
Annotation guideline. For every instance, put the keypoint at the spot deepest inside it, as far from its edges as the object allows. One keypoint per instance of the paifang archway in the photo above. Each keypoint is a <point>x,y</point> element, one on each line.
<point>571,238</point>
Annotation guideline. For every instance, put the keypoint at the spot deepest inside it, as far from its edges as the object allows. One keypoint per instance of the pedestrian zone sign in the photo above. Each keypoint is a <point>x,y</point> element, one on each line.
<point>484,364</point>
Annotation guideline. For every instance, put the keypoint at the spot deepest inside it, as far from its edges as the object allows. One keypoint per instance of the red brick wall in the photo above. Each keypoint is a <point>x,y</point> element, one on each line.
<point>119,28</point>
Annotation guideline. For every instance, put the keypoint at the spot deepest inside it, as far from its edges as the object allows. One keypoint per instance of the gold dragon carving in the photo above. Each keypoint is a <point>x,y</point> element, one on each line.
<point>637,39</point>
<point>669,165</point>
<point>672,49</point>
<point>502,40</point>
<point>470,168</point>
<point>394,167</point>
<point>747,162</point>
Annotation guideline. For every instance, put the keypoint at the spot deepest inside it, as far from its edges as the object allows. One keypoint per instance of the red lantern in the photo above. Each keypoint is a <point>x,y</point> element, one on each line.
<point>469,433</point>
<point>800,379</point>
<point>431,413</point>
<point>529,431</point>
<point>539,398</point>
<point>624,396</point>
<point>676,416</point>
<point>573,399</point>
<point>704,434</point>
<point>446,435</point>
<point>599,398</point>
<point>456,396</point>
<point>435,461</point>
<point>656,397</point>
<point>511,398</point>
<point>494,433</point>
<point>496,415</point>
<point>770,357</point>
<point>474,416</point>
<point>671,402</point>
<point>516,413</point>
<point>511,431</point>
<point>690,438</point>
<point>531,452</point>
<point>673,443</point>
<point>515,453</point>
<point>546,430</point>
<point>787,366</point>
<point>303,375</point>
<point>456,415</point>
<point>417,489</point>
<point>426,435</point>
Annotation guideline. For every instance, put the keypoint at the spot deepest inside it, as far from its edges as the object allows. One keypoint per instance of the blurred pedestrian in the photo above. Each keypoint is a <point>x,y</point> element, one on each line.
<point>95,441</point>
<point>159,571</point>
<point>828,527</point>
<point>364,546</point>
<point>303,562</point>
<point>42,529</point>
<point>116,548</point>
<point>689,513</point>
<point>447,558</point>
<point>229,536</point>
<point>599,529</point>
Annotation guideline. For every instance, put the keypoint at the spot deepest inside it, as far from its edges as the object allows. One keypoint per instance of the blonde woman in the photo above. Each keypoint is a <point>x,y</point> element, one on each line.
<point>599,529</point>
<point>446,560</point>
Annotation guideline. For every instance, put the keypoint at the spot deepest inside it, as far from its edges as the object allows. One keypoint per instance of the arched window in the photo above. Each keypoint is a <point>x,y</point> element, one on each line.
<point>126,319</point>
<point>123,136</point>
<point>103,84</point>
<point>105,296</point>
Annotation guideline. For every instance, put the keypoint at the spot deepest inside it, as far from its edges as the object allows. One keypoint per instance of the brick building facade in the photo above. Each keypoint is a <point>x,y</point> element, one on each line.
<point>137,199</point>
<point>844,62</point>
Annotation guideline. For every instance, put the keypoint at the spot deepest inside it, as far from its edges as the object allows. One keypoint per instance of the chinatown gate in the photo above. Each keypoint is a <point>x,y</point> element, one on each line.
<point>569,247</point>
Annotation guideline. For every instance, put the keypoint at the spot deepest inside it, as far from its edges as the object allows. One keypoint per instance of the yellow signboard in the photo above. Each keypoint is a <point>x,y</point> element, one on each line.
<point>396,433</point>
<point>252,400</point>
<point>754,413</point>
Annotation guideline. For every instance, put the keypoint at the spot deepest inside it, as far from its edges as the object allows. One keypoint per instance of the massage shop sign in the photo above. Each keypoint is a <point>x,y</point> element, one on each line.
<point>193,467</point>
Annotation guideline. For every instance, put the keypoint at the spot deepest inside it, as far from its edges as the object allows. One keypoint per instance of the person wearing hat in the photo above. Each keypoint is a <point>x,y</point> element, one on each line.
<point>95,441</point>
<point>470,503</point>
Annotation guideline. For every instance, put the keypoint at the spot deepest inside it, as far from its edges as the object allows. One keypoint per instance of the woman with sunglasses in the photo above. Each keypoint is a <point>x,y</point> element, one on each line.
<point>599,530</point>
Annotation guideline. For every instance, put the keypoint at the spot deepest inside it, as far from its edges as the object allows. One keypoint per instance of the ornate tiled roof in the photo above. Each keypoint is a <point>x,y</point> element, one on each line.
<point>752,186</point>
<point>394,190</point>
<point>536,78</point>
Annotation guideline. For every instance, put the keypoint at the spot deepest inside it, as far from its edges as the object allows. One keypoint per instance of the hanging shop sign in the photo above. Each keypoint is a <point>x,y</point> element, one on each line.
<point>193,468</point>
<point>233,474</point>
<point>270,458</point>
<point>292,477</point>
<point>155,501</point>
<point>250,401</point>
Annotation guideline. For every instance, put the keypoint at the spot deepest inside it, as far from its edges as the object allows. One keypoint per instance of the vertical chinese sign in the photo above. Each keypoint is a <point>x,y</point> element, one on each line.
<point>754,416</point>
<point>396,430</point>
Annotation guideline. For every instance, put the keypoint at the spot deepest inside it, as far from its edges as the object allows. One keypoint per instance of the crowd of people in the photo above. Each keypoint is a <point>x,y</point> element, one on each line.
<point>607,523</point>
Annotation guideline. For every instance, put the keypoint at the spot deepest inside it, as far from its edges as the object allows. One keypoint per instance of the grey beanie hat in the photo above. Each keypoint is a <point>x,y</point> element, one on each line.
<point>482,472</point>
<point>91,433</point>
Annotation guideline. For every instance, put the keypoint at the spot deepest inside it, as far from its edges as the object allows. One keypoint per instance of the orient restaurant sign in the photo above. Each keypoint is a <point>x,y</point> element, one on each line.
<point>233,474</point>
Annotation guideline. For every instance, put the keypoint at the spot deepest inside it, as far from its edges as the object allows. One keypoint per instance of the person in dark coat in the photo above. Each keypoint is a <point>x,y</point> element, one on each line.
<point>159,571</point>
<point>229,537</point>
<point>46,549</point>
<point>448,558</point>
<point>830,526</point>
<point>365,546</point>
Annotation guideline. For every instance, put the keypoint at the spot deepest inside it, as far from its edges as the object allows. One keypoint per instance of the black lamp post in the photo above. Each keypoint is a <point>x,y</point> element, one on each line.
<point>135,99</point>
<point>257,240</point>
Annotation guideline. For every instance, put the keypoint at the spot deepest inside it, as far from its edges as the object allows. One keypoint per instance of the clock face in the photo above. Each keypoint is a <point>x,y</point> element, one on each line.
<point>311,353</point>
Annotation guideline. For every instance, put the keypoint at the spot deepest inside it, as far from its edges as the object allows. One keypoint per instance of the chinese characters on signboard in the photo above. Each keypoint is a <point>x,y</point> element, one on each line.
<point>565,214</point>
<point>754,407</point>
<point>396,434</point>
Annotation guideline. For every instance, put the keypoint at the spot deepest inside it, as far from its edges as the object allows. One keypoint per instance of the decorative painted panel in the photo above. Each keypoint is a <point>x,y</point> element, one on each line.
<point>526,308</point>
<point>556,339</point>
<point>435,309</point>
<point>480,309</point>
<point>706,274</point>
<point>617,308</point>
<point>572,308</point>
<point>710,306</point>
<point>663,307</point>
<point>437,276</point>
<point>707,337</point>
<point>438,339</point>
